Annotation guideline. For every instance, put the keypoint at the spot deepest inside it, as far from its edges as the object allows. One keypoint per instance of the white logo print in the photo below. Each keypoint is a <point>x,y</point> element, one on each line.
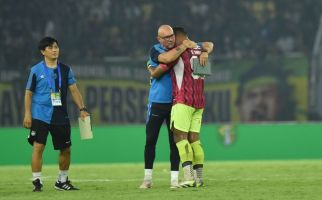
<point>33,133</point>
<point>42,76</point>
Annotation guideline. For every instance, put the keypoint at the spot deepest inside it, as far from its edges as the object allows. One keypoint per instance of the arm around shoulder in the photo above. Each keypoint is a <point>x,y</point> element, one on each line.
<point>172,55</point>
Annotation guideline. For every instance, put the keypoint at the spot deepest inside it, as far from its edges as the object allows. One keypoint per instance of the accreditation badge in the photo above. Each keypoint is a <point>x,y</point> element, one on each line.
<point>55,99</point>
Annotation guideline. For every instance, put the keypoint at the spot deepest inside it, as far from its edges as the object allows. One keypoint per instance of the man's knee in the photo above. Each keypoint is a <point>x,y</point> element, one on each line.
<point>151,140</point>
<point>179,135</point>
<point>65,152</point>
<point>38,148</point>
<point>193,137</point>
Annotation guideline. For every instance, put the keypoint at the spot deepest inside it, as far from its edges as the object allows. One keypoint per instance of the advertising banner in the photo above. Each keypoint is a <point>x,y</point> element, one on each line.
<point>237,91</point>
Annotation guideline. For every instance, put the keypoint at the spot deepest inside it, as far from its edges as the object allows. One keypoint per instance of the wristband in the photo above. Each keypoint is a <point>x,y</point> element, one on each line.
<point>164,67</point>
<point>83,109</point>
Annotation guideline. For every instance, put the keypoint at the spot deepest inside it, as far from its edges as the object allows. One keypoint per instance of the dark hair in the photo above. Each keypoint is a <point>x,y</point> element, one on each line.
<point>179,30</point>
<point>45,42</point>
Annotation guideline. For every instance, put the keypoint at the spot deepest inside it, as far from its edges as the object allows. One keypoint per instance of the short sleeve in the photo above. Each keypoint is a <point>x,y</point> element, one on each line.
<point>71,78</point>
<point>154,54</point>
<point>31,82</point>
<point>151,63</point>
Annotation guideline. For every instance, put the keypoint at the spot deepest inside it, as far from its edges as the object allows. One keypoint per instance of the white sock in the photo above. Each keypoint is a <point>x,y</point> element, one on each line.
<point>62,176</point>
<point>148,174</point>
<point>199,174</point>
<point>174,176</point>
<point>36,175</point>
<point>188,173</point>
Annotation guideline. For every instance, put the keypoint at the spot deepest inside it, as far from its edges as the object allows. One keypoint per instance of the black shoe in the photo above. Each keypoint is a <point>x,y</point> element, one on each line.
<point>64,185</point>
<point>37,185</point>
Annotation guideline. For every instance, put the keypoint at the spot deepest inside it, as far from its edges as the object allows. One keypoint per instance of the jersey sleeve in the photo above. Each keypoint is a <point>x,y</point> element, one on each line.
<point>71,78</point>
<point>31,82</point>
<point>154,54</point>
<point>152,64</point>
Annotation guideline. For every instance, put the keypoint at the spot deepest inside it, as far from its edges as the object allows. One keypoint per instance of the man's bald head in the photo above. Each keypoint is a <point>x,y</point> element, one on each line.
<point>166,36</point>
<point>165,30</point>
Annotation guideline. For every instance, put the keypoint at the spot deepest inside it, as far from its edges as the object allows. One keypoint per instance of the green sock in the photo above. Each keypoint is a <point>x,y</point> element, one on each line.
<point>185,151</point>
<point>198,153</point>
<point>198,159</point>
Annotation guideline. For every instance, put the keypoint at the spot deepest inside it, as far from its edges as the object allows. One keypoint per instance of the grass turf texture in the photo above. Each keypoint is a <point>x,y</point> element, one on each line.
<point>224,180</point>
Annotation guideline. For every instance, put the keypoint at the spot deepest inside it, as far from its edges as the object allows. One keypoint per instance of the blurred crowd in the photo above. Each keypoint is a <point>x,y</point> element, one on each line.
<point>90,31</point>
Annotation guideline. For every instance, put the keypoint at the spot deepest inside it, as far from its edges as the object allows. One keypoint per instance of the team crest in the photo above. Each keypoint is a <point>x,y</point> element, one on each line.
<point>33,133</point>
<point>227,134</point>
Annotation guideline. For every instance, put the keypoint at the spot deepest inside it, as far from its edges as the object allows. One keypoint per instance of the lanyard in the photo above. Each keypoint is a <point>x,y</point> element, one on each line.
<point>48,77</point>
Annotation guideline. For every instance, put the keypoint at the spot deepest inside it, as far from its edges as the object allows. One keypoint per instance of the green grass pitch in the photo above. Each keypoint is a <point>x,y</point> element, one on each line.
<point>247,180</point>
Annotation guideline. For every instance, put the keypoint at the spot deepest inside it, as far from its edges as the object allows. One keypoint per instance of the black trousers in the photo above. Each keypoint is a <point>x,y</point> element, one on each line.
<point>157,114</point>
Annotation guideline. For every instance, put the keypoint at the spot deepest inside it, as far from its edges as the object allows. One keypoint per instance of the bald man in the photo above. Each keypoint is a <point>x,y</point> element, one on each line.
<point>160,103</point>
<point>187,108</point>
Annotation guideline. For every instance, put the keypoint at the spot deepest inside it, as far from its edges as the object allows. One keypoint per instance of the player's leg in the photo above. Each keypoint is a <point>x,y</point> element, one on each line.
<point>174,156</point>
<point>36,166</point>
<point>37,138</point>
<point>64,163</point>
<point>198,157</point>
<point>154,122</point>
<point>198,153</point>
<point>62,142</point>
<point>180,124</point>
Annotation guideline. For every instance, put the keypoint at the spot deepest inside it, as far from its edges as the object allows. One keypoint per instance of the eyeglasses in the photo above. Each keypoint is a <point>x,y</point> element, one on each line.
<point>168,37</point>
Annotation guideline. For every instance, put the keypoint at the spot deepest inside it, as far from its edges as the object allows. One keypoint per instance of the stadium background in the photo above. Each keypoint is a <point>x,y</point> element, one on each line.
<point>106,43</point>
